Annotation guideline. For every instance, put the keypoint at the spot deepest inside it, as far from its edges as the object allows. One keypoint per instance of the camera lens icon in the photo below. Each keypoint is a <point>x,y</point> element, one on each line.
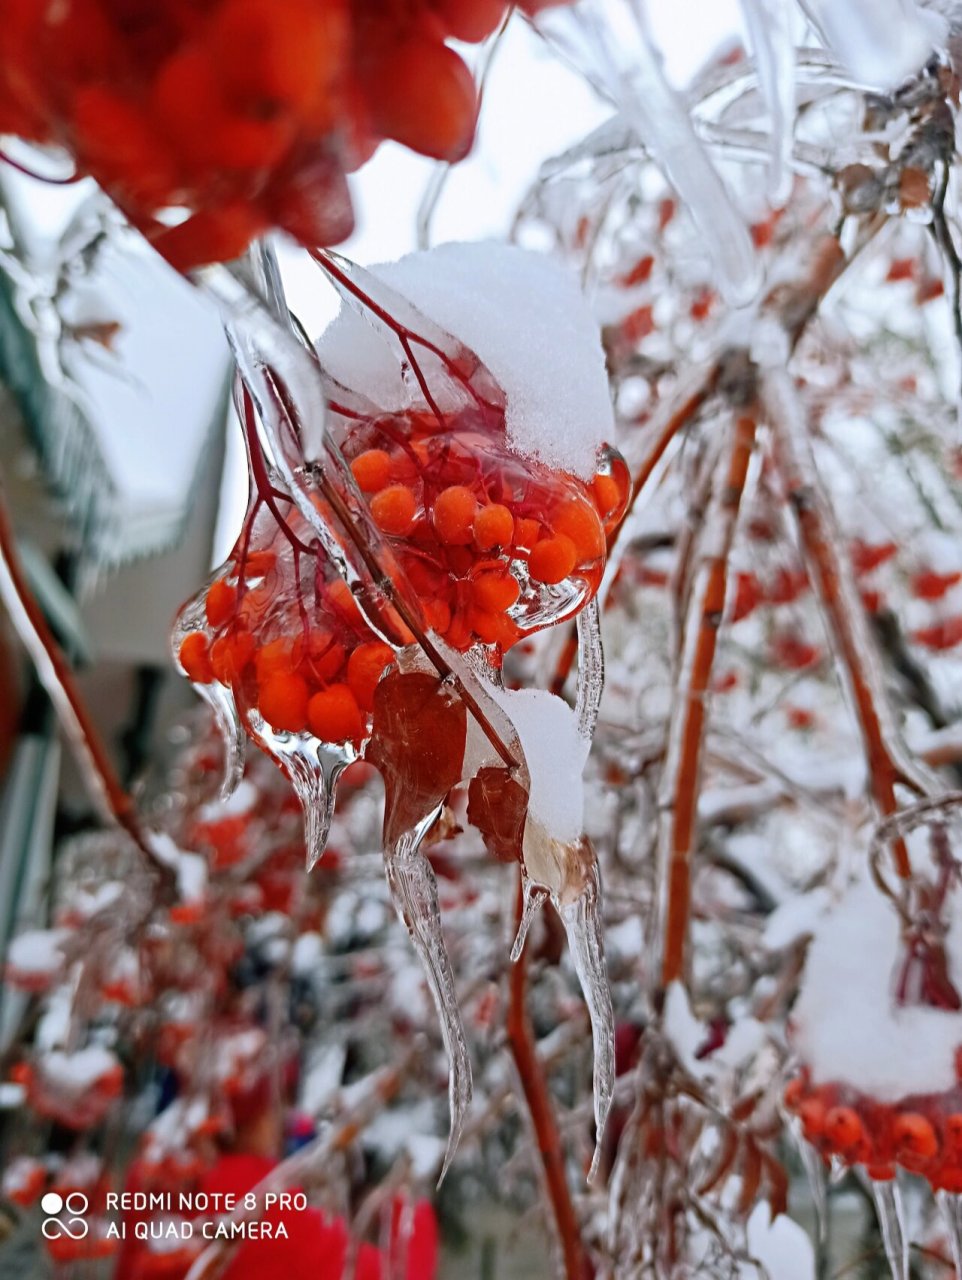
<point>74,1227</point>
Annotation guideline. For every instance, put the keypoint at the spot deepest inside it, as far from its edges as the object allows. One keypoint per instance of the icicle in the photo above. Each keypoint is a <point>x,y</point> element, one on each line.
<point>582,923</point>
<point>891,1220</point>
<point>880,41</point>
<point>221,702</point>
<point>770,28</point>
<point>534,897</point>
<point>815,1172</point>
<point>414,891</point>
<point>591,669</point>
<point>314,774</point>
<point>950,1207</point>
<point>608,41</point>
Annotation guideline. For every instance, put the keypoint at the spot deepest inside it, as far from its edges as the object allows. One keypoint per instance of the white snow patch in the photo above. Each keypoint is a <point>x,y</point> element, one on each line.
<point>556,754</point>
<point>307,953</point>
<point>523,314</point>
<point>846,1025</point>
<point>38,952</point>
<point>242,800</point>
<point>76,1072</point>
<point>794,919</point>
<point>782,1247</point>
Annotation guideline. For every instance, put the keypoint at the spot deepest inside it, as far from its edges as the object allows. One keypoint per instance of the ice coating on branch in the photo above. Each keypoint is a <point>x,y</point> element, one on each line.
<point>847,1024</point>
<point>524,316</point>
<point>770,27</point>
<point>609,41</point>
<point>591,669</point>
<point>880,41</point>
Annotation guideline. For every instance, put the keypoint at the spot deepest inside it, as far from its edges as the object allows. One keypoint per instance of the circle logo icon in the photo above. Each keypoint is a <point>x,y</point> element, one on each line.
<point>74,1227</point>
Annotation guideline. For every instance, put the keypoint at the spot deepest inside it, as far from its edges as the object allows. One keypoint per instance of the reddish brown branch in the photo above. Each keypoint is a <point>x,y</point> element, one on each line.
<point>543,1119</point>
<point>844,613</point>
<point>57,678</point>
<point>686,732</point>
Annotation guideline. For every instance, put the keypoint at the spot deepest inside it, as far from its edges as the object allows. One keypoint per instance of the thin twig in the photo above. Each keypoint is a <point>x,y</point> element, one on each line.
<point>531,1073</point>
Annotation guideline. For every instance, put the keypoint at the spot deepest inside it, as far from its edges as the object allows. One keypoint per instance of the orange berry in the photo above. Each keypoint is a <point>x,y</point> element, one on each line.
<point>453,515</point>
<point>282,701</point>
<point>914,1135</point>
<point>552,560</point>
<point>372,470</point>
<point>334,716</point>
<point>230,655</point>
<point>280,55</point>
<point>394,509</point>
<point>220,602</point>
<point>526,533</point>
<point>469,20</point>
<point>952,1127</point>
<point>458,633</point>
<point>364,669</point>
<point>495,591</point>
<point>843,1128</point>
<point>324,657</point>
<point>485,625</point>
<point>794,1093</point>
<point>342,598</point>
<point>459,560</point>
<point>812,1115</point>
<point>606,493</point>
<point>493,527</point>
<point>438,614</point>
<point>273,657</point>
<point>194,656</point>
<point>257,564</point>
<point>579,522</point>
<point>212,235</point>
<point>421,94</point>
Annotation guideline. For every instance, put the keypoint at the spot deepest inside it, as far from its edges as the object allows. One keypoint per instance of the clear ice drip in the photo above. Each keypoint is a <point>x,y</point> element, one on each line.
<point>314,771</point>
<point>221,702</point>
<point>770,29</point>
<point>534,896</point>
<point>591,669</point>
<point>817,1176</point>
<point>414,892</point>
<point>891,1220</point>
<point>582,923</point>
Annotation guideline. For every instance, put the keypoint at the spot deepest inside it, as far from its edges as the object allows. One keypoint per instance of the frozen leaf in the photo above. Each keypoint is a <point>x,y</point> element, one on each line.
<point>418,738</point>
<point>498,808</point>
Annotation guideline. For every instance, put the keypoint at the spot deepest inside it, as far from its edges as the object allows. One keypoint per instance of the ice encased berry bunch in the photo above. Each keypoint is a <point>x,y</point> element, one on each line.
<point>484,468</point>
<point>878,1028</point>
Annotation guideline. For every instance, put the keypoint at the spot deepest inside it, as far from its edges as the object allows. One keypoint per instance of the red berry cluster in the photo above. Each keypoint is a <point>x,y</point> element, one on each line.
<point>495,547</point>
<point>244,113</point>
<point>922,1134</point>
<point>283,632</point>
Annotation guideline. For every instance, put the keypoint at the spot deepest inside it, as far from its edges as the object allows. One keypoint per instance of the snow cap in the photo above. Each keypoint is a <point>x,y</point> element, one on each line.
<point>524,315</point>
